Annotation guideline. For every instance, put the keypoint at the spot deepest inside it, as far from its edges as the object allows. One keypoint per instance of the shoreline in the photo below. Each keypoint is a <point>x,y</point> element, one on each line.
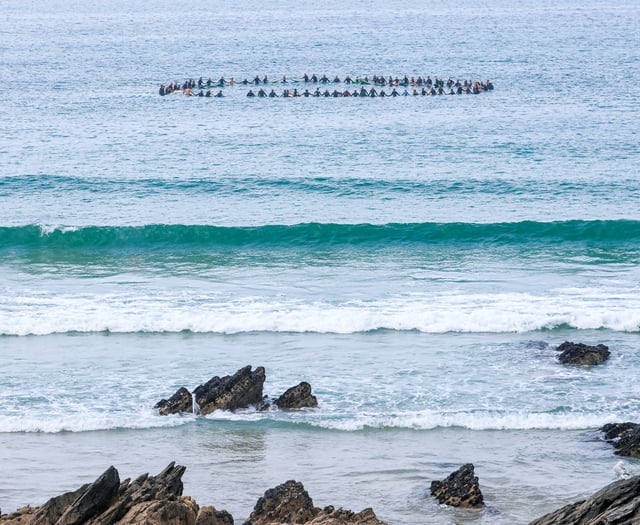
<point>230,468</point>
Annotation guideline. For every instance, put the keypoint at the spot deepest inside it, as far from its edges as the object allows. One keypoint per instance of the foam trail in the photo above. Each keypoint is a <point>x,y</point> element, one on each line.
<point>195,406</point>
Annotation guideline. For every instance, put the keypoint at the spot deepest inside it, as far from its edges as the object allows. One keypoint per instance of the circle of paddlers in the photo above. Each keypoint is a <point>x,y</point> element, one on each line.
<point>314,86</point>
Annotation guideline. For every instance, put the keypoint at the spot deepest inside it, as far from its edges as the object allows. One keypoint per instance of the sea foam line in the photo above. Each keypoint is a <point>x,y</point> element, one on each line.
<point>41,314</point>
<point>421,420</point>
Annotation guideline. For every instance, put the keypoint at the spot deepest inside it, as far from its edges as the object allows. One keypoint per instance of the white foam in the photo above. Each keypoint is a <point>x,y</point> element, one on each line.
<point>428,420</point>
<point>87,422</point>
<point>48,229</point>
<point>41,313</point>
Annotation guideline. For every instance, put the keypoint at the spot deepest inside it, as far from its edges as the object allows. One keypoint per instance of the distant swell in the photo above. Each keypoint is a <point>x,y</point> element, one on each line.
<point>314,235</point>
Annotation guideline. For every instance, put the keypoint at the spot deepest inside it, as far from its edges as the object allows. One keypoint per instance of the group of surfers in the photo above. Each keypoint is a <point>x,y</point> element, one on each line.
<point>474,89</point>
<point>428,84</point>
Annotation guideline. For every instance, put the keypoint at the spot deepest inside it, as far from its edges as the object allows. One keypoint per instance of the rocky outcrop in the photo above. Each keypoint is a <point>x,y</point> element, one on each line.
<point>298,396</point>
<point>617,503</point>
<point>286,503</point>
<point>290,503</point>
<point>625,437</point>
<point>459,489</point>
<point>107,501</point>
<point>181,401</point>
<point>158,500</point>
<point>581,354</point>
<point>240,390</point>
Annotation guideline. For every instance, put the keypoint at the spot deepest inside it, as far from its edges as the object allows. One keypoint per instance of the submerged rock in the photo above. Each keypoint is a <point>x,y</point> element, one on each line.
<point>617,503</point>
<point>581,354</point>
<point>625,438</point>
<point>459,489</point>
<point>240,390</point>
<point>298,396</point>
<point>107,501</point>
<point>291,503</point>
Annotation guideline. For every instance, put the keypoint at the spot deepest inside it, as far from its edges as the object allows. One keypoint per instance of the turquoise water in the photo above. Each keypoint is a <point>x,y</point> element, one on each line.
<point>416,259</point>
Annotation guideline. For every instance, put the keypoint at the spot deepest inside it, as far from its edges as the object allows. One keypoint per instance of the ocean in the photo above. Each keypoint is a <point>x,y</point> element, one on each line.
<point>415,259</point>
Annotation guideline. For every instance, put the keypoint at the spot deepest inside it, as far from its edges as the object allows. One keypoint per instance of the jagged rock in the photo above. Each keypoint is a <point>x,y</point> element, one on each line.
<point>181,401</point>
<point>290,503</point>
<point>53,509</point>
<point>625,438</point>
<point>208,515</point>
<point>298,396</point>
<point>617,503</point>
<point>242,389</point>
<point>286,503</point>
<point>346,517</point>
<point>459,489</point>
<point>146,500</point>
<point>581,354</point>
<point>97,498</point>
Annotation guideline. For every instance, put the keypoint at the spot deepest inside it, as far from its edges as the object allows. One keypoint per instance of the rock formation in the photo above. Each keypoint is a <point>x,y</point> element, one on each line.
<point>107,501</point>
<point>617,503</point>
<point>242,389</point>
<point>581,354</point>
<point>158,500</point>
<point>298,396</point>
<point>625,438</point>
<point>460,489</point>
<point>181,401</point>
<point>290,503</point>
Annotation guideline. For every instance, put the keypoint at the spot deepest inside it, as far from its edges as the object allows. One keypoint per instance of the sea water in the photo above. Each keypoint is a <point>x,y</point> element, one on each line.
<point>416,259</point>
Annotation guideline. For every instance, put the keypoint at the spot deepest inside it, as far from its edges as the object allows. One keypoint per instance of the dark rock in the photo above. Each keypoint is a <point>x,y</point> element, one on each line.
<point>242,389</point>
<point>53,509</point>
<point>208,515</point>
<point>298,396</point>
<point>460,489</point>
<point>617,503</point>
<point>625,438</point>
<point>581,354</point>
<point>286,503</point>
<point>97,498</point>
<point>346,517</point>
<point>615,430</point>
<point>265,404</point>
<point>146,500</point>
<point>290,503</point>
<point>181,401</point>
